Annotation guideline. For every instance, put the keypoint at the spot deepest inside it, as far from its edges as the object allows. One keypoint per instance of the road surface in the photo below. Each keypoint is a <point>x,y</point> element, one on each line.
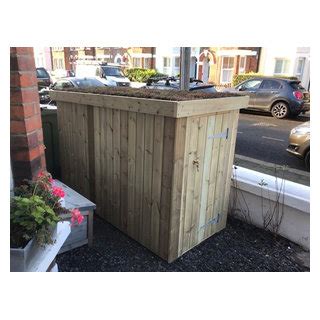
<point>261,146</point>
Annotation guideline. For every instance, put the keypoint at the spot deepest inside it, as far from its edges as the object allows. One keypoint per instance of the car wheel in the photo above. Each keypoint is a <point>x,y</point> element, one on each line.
<point>307,160</point>
<point>280,110</point>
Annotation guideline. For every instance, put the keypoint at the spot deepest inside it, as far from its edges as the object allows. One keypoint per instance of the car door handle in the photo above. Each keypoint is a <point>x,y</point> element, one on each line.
<point>274,92</point>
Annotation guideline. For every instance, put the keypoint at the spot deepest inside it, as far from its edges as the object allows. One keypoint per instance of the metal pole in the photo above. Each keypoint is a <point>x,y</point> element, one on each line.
<point>185,56</point>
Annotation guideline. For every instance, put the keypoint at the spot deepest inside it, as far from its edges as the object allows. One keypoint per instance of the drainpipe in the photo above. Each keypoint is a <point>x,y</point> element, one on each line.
<point>51,57</point>
<point>93,49</point>
<point>152,54</point>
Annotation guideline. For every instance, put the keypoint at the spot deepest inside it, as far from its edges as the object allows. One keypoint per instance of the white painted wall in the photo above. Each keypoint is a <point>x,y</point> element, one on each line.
<point>250,202</point>
<point>172,53</point>
<point>42,57</point>
<point>269,54</point>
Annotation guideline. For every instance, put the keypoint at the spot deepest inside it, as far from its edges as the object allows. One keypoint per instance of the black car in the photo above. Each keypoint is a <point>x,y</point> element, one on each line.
<point>173,83</point>
<point>281,97</point>
<point>70,82</point>
<point>43,77</point>
<point>76,82</point>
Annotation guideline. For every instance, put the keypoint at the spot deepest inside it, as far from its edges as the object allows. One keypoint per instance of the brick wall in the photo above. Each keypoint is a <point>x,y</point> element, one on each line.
<point>26,137</point>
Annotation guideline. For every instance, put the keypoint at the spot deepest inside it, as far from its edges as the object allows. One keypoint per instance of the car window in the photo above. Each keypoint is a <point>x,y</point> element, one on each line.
<point>251,84</point>
<point>42,73</point>
<point>67,84</point>
<point>270,84</point>
<point>113,72</point>
<point>57,85</point>
<point>83,83</point>
<point>62,84</point>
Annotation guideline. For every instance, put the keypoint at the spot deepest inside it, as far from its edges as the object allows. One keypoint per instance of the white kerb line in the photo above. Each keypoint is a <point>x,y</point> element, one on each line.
<point>270,138</point>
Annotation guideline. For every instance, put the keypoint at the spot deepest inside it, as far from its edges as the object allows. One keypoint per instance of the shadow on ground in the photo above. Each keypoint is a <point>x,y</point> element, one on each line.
<point>239,247</point>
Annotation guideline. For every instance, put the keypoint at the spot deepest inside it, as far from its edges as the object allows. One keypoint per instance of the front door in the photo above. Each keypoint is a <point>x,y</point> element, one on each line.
<point>206,70</point>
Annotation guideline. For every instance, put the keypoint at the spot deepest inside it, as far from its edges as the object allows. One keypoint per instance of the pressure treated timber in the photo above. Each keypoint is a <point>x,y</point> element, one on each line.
<point>157,170</point>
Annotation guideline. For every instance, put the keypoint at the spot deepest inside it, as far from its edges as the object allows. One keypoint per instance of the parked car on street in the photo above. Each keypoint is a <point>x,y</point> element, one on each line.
<point>61,73</point>
<point>43,77</point>
<point>76,82</point>
<point>299,142</point>
<point>69,82</point>
<point>281,97</point>
<point>173,83</point>
<point>110,74</point>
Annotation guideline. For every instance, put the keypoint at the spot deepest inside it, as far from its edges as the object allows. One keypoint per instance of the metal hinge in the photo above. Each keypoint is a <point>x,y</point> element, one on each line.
<point>224,134</point>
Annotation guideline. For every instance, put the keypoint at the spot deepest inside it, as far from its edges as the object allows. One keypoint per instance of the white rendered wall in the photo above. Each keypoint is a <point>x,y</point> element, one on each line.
<point>251,202</point>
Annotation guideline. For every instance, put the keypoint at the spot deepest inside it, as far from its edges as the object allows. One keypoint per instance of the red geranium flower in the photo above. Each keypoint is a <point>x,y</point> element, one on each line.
<point>58,192</point>
<point>76,216</point>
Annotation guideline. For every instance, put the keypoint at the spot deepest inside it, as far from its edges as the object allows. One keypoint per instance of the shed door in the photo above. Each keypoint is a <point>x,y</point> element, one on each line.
<point>206,176</point>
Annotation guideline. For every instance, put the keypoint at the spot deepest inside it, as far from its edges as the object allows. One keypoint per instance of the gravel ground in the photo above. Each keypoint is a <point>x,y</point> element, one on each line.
<point>239,247</point>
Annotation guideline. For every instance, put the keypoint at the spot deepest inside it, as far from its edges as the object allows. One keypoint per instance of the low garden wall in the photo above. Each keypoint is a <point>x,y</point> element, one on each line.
<point>272,203</point>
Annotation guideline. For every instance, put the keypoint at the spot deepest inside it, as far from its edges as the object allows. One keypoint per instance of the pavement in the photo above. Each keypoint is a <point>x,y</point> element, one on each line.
<point>295,175</point>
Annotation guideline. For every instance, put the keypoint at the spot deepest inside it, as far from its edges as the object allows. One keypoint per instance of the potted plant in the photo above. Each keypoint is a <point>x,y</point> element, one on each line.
<point>35,212</point>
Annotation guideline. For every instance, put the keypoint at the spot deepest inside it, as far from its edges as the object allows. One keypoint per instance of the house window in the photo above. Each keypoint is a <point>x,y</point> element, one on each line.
<point>177,62</point>
<point>166,62</point>
<point>242,65</point>
<point>55,63</point>
<point>166,65</point>
<point>147,63</point>
<point>281,66</point>
<point>300,68</point>
<point>227,69</point>
<point>136,62</point>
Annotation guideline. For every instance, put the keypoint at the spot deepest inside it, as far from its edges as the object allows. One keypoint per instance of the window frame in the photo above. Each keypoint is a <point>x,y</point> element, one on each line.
<point>135,63</point>
<point>166,68</point>
<point>300,74</point>
<point>242,69</point>
<point>231,70</point>
<point>284,66</point>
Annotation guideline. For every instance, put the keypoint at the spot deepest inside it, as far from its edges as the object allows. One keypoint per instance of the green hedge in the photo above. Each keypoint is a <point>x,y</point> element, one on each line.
<point>141,75</point>
<point>238,78</point>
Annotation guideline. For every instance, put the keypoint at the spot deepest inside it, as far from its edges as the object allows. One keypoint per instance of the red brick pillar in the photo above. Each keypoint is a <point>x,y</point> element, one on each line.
<point>26,138</point>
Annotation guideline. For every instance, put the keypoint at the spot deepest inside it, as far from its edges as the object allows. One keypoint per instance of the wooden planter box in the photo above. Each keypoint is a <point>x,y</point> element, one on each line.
<point>158,170</point>
<point>80,234</point>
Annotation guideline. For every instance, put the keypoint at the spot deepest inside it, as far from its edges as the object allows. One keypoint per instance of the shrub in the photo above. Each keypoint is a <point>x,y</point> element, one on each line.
<point>35,210</point>
<point>141,75</point>
<point>31,217</point>
<point>238,78</point>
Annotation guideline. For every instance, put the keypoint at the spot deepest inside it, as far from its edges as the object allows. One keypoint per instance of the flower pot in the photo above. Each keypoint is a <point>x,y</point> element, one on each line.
<point>33,257</point>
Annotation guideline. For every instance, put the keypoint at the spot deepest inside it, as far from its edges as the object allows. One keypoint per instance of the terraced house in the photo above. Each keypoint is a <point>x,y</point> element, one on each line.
<point>210,64</point>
